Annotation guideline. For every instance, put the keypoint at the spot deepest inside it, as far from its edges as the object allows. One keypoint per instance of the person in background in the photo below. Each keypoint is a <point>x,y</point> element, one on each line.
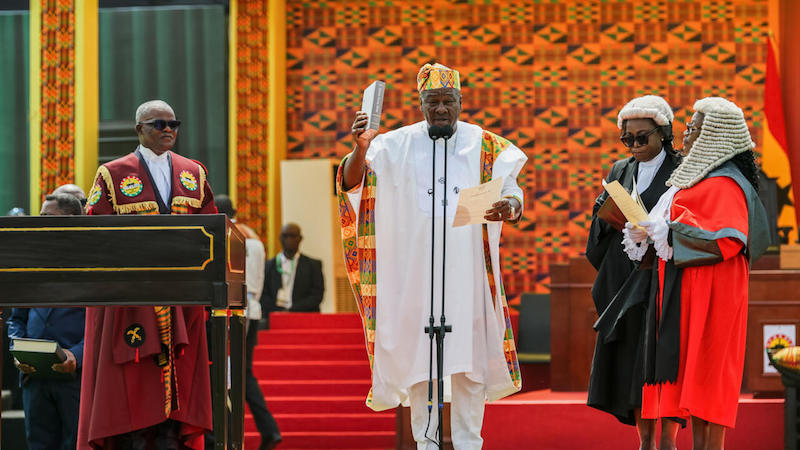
<point>292,281</point>
<point>52,405</point>
<point>615,383</point>
<point>254,274</point>
<point>73,190</point>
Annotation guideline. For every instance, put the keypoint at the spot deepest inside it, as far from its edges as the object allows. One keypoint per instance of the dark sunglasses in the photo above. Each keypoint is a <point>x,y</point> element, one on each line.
<point>160,124</point>
<point>640,139</point>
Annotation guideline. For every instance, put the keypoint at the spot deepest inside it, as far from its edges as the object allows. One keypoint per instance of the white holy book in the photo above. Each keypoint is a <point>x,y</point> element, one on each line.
<point>372,103</point>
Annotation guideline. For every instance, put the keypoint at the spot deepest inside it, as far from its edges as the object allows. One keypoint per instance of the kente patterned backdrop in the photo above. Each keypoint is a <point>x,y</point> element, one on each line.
<point>550,76</point>
<point>251,114</point>
<point>58,93</point>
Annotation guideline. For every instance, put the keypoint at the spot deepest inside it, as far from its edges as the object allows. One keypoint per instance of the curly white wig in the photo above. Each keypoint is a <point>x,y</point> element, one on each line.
<point>646,107</point>
<point>723,135</point>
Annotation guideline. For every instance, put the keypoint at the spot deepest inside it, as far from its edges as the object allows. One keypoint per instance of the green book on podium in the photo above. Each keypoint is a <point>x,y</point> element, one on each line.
<point>41,354</point>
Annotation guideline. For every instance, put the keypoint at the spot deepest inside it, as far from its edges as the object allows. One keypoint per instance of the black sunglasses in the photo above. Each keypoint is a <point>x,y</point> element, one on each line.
<point>640,139</point>
<point>160,124</point>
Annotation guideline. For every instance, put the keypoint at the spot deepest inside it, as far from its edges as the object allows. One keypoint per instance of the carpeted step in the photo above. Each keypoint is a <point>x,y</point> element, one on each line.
<point>13,429</point>
<point>288,352</point>
<point>373,421</point>
<point>350,404</point>
<point>314,372</point>
<point>327,440</point>
<point>327,336</point>
<point>314,388</point>
<point>311,370</point>
<point>282,320</point>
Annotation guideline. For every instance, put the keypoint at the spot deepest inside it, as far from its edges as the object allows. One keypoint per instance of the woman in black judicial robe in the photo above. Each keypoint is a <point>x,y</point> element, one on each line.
<point>615,384</point>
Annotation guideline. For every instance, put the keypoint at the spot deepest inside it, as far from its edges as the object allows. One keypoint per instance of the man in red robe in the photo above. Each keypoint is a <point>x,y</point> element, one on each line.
<point>145,377</point>
<point>706,229</point>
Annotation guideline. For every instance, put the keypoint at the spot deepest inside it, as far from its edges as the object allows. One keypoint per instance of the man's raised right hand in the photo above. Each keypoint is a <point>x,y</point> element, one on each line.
<point>361,135</point>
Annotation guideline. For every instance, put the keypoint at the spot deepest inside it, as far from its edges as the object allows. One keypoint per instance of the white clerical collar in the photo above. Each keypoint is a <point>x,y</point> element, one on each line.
<point>151,156</point>
<point>655,162</point>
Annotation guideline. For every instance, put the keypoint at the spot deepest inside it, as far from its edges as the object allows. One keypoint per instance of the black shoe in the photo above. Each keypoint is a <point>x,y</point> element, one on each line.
<point>270,443</point>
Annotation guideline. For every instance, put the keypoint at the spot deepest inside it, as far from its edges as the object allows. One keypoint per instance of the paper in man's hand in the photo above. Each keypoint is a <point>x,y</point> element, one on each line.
<point>475,201</point>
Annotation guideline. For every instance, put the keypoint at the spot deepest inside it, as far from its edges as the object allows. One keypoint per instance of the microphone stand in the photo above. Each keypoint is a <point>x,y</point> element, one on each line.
<point>436,132</point>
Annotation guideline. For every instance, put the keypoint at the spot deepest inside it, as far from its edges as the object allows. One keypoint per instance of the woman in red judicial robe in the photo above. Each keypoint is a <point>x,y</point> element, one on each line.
<point>706,229</point>
<point>145,379</point>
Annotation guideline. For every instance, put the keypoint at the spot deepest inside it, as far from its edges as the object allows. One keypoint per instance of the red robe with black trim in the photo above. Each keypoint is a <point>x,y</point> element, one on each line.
<point>713,321</point>
<point>122,387</point>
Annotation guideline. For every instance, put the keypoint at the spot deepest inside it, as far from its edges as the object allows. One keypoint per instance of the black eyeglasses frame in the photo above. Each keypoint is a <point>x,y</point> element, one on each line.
<point>629,140</point>
<point>161,124</point>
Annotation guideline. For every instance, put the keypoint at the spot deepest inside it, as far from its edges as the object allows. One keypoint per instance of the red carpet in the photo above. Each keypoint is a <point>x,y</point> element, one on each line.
<point>314,373</point>
<point>548,420</point>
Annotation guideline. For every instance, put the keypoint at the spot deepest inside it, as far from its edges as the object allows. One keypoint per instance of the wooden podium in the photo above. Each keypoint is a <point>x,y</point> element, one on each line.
<point>774,300</point>
<point>774,303</point>
<point>67,261</point>
<point>572,315</point>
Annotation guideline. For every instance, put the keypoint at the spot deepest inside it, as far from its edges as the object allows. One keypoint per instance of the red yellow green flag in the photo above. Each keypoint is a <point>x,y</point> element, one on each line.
<point>774,152</point>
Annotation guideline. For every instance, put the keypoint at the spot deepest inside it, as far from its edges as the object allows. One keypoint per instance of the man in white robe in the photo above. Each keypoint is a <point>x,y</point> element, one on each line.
<point>385,207</point>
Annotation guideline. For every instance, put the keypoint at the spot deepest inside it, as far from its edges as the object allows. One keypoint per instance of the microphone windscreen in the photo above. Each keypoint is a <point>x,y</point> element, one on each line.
<point>436,131</point>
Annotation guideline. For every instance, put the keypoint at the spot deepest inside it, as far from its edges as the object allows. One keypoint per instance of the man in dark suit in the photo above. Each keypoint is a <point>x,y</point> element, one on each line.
<point>51,405</point>
<point>292,281</point>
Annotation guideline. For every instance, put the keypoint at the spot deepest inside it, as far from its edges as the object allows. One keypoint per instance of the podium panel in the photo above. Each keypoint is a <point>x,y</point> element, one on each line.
<point>773,313</point>
<point>572,314</point>
<point>139,260</point>
<point>113,260</point>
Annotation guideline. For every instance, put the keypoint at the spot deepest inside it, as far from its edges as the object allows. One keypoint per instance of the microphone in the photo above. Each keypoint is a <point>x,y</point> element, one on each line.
<point>435,131</point>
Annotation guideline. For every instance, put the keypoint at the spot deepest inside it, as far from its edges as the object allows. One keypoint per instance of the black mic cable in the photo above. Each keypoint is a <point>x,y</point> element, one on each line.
<point>436,132</point>
<point>433,253</point>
